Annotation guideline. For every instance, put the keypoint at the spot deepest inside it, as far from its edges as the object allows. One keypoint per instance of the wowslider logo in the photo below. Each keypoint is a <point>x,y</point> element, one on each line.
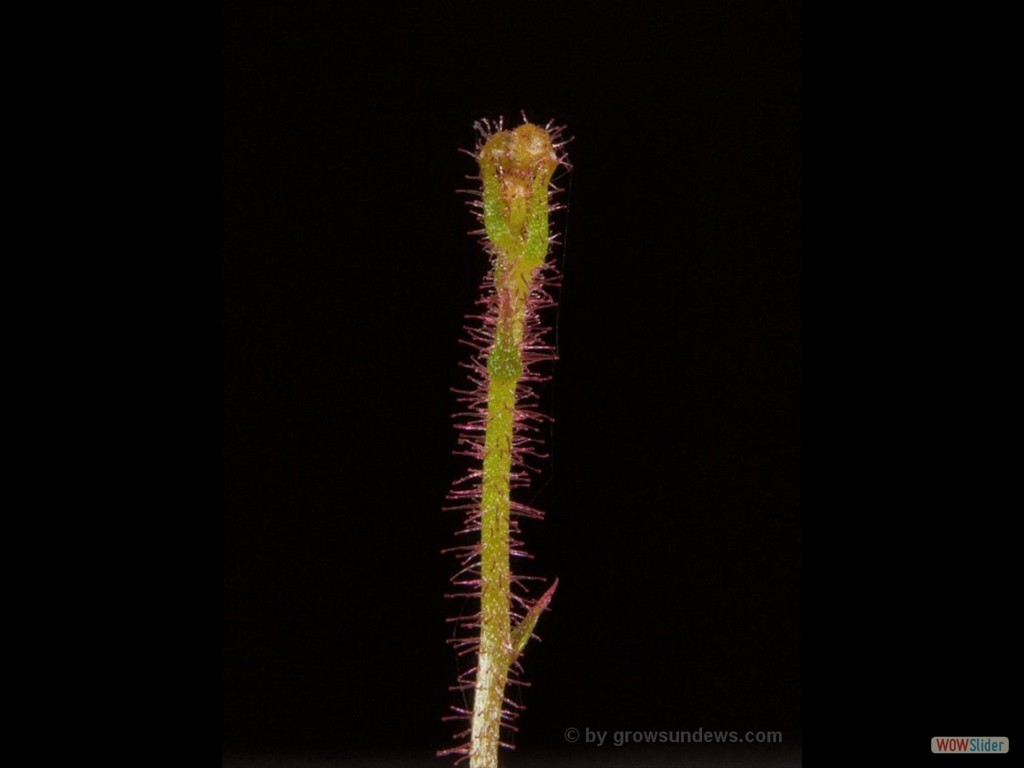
<point>968,745</point>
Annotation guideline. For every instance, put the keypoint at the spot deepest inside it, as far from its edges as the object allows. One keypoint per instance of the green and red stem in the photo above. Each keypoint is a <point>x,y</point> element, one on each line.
<point>500,427</point>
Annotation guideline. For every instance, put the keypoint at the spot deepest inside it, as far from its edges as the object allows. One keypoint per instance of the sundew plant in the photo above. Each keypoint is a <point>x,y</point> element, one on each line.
<point>499,428</point>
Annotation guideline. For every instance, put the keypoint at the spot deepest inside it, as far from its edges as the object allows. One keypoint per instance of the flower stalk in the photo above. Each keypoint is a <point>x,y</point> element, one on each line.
<point>500,427</point>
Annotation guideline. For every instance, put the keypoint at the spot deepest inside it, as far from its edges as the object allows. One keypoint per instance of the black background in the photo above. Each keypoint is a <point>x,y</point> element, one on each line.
<point>674,490</point>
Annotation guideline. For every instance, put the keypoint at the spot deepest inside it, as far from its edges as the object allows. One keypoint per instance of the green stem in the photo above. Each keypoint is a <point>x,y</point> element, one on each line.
<point>495,632</point>
<point>516,169</point>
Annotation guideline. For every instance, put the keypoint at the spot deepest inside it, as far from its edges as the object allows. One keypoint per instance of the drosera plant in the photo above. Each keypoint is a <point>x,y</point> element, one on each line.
<point>499,427</point>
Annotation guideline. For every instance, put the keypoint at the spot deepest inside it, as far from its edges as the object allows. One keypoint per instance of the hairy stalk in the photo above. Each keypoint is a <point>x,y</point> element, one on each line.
<point>516,168</point>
